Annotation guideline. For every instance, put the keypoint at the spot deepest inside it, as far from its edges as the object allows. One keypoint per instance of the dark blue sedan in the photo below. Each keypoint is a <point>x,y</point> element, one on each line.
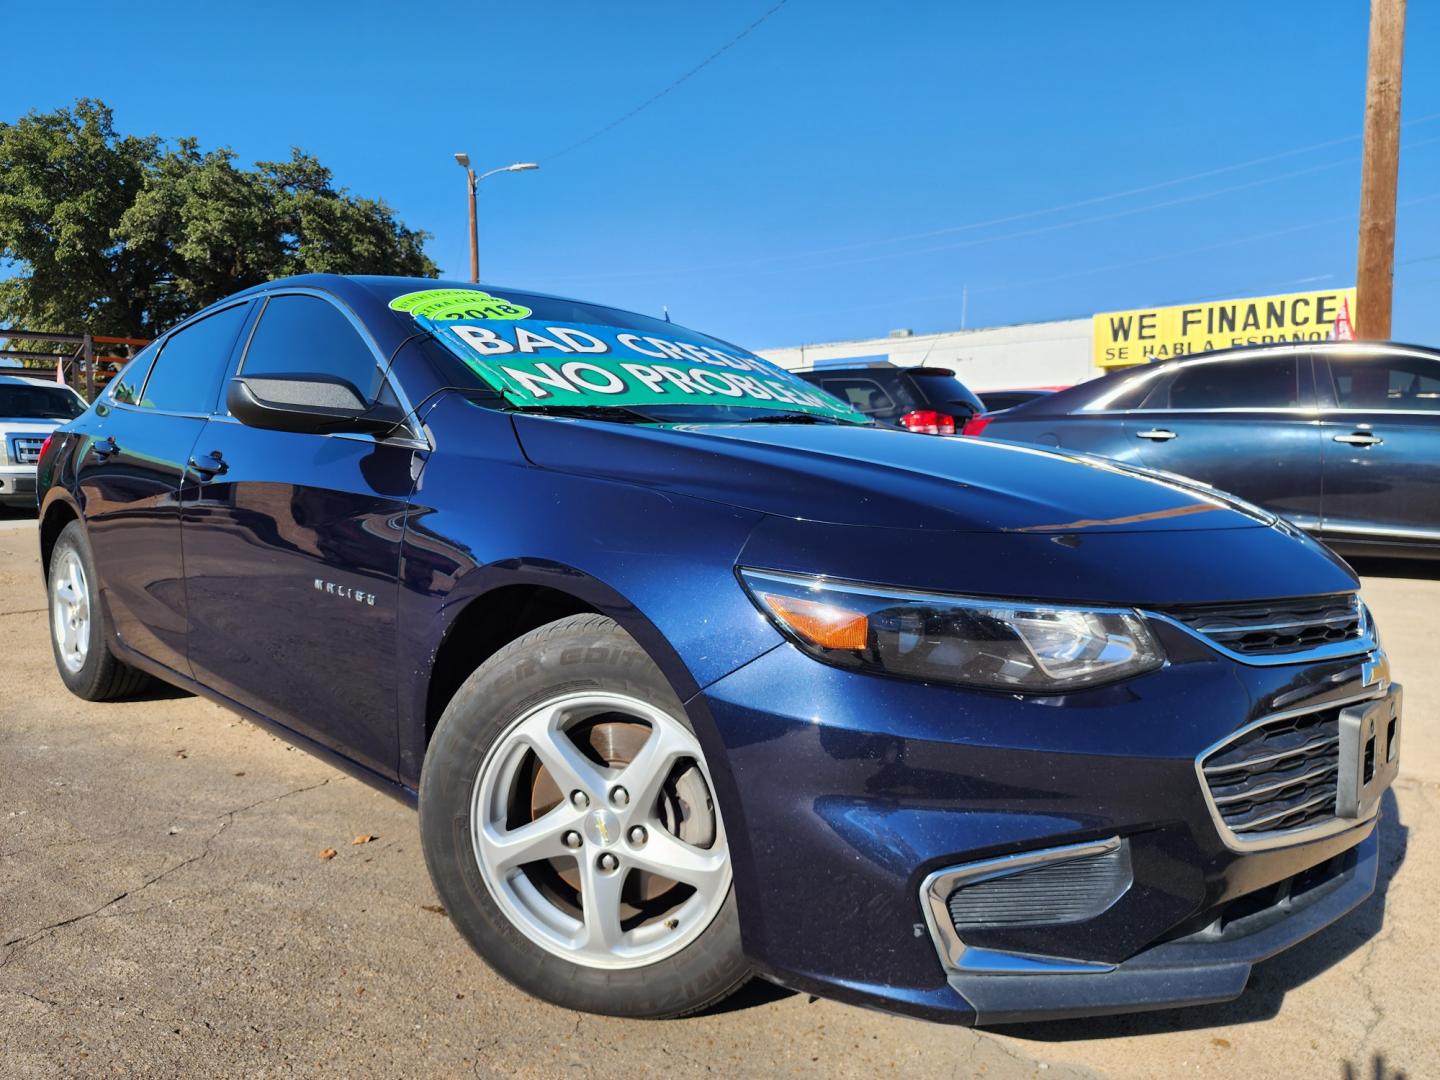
<point>697,674</point>
<point>1342,438</point>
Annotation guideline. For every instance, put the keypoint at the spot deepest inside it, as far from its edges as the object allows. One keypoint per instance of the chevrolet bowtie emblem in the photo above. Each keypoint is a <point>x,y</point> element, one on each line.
<point>1376,670</point>
<point>601,827</point>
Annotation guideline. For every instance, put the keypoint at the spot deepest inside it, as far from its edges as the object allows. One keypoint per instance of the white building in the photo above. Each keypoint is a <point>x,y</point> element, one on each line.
<point>997,358</point>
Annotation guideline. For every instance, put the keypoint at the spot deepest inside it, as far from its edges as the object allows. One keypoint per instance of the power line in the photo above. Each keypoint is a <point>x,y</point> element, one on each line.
<point>1036,231</point>
<point>1128,264</point>
<point>1028,214</point>
<point>651,100</point>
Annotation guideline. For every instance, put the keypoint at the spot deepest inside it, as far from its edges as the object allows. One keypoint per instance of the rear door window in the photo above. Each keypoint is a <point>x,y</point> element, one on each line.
<point>1268,382</point>
<point>306,335</point>
<point>125,389</point>
<point>1395,383</point>
<point>192,361</point>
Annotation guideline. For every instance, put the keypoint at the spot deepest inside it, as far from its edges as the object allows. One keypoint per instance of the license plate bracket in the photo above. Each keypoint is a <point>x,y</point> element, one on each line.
<point>1369,753</point>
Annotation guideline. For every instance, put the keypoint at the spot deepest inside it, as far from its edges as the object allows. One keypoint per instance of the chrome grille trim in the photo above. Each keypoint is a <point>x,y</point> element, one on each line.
<point>1278,785</point>
<point>1268,759</point>
<point>25,449</point>
<point>1251,834</point>
<point>1225,627</point>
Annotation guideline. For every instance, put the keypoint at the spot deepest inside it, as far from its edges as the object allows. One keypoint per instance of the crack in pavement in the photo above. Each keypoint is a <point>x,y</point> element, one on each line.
<point>1369,956</point>
<point>35,997</point>
<point>17,944</point>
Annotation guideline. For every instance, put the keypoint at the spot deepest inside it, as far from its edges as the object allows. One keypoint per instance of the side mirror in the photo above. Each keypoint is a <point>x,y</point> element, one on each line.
<point>309,404</point>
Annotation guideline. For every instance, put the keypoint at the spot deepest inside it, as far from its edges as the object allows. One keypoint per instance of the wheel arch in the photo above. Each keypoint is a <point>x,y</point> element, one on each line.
<point>505,603</point>
<point>58,512</point>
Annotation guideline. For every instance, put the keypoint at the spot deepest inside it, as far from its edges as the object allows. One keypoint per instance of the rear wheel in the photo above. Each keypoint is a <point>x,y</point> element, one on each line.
<point>79,628</point>
<point>570,827</point>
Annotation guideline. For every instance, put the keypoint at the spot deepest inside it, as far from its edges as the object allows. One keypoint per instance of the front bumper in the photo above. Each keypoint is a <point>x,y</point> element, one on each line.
<point>844,793</point>
<point>17,484</point>
<point>1210,965</point>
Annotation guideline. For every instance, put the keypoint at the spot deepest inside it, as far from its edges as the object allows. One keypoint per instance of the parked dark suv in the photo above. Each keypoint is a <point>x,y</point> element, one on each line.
<point>1342,438</point>
<point>927,400</point>
<point>695,673</point>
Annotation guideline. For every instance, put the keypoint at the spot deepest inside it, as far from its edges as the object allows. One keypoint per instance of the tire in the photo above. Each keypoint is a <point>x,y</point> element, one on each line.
<point>80,628</point>
<point>584,683</point>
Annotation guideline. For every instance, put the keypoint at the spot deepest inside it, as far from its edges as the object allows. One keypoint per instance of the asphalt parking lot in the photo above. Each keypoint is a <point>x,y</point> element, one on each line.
<point>165,911</point>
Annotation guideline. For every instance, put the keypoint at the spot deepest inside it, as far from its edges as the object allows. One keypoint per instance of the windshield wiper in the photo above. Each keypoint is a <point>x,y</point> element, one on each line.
<point>794,418</point>
<point>616,413</point>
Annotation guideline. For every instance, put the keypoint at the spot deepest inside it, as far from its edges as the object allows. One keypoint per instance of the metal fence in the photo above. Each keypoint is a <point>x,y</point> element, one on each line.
<point>86,367</point>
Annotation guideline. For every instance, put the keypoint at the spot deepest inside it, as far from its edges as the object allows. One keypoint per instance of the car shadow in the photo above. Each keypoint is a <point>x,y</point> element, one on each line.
<point>752,995</point>
<point>1270,980</point>
<point>155,690</point>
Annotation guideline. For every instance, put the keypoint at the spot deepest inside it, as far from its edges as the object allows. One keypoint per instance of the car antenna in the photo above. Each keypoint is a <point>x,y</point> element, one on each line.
<point>666,309</point>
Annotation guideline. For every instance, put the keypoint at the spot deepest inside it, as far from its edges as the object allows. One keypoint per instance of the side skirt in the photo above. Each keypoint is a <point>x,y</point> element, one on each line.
<point>165,674</point>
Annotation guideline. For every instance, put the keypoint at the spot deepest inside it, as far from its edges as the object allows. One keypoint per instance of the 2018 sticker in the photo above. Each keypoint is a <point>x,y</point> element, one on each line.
<point>458,304</point>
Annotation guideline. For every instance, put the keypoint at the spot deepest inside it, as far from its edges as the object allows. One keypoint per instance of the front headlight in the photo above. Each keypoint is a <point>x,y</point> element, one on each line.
<point>995,644</point>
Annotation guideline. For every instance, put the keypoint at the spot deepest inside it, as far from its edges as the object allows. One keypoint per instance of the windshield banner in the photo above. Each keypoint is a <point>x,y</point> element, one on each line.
<point>542,362</point>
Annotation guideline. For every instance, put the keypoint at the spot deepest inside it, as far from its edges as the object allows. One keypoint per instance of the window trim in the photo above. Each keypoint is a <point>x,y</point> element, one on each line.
<point>164,341</point>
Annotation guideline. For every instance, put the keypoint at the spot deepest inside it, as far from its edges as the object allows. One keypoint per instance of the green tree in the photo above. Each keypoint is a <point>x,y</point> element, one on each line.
<point>122,234</point>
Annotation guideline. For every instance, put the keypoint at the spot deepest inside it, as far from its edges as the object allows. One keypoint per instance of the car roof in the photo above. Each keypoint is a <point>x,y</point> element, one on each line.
<point>1065,401</point>
<point>1237,351</point>
<point>871,369</point>
<point>357,289</point>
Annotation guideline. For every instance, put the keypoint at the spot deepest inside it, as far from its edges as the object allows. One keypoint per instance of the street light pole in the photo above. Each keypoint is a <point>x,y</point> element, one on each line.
<point>473,182</point>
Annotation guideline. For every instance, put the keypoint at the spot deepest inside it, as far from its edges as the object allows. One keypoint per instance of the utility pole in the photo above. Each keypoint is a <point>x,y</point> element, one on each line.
<point>1375,269</point>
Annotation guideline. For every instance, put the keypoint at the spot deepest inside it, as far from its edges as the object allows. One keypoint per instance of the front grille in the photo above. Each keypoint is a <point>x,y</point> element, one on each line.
<point>25,449</point>
<point>1277,626</point>
<point>1058,892</point>
<point>1277,776</point>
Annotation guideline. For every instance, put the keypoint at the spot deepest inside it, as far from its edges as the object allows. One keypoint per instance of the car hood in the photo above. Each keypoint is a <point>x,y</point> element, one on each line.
<point>847,475</point>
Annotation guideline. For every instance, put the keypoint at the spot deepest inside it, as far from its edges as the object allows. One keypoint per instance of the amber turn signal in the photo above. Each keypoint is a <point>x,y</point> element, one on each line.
<point>821,624</point>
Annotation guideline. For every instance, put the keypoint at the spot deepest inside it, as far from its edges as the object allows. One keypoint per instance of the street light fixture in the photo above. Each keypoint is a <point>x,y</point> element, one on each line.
<point>463,160</point>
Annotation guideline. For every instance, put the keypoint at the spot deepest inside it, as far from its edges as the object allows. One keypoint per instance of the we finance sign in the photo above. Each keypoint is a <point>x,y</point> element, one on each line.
<point>1134,337</point>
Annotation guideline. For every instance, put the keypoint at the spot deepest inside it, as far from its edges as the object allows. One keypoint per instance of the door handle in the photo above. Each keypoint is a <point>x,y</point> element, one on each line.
<point>1155,435</point>
<point>211,465</point>
<point>105,447</point>
<point>1359,438</point>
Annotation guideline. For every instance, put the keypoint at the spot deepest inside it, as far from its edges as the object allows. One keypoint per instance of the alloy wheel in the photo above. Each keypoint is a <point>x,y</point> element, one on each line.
<point>70,610</point>
<point>595,828</point>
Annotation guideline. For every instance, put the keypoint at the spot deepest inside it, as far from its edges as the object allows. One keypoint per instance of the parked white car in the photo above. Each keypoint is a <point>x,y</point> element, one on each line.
<point>29,411</point>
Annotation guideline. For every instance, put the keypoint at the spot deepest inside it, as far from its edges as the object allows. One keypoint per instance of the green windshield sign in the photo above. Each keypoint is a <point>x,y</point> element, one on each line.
<point>535,362</point>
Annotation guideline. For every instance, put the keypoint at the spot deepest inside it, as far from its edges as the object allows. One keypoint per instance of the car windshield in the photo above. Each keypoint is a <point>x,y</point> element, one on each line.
<point>39,403</point>
<point>562,356</point>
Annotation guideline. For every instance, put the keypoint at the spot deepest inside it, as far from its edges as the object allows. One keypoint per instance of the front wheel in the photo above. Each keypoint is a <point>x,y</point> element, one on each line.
<point>570,827</point>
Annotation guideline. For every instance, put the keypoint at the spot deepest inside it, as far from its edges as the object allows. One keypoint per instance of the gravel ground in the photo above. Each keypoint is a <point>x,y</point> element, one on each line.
<point>164,911</point>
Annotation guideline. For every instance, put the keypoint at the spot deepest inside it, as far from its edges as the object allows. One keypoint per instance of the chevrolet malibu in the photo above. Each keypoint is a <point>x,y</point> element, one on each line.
<point>695,674</point>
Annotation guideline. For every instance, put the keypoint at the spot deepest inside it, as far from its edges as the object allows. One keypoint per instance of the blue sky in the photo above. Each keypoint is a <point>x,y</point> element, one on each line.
<point>831,175</point>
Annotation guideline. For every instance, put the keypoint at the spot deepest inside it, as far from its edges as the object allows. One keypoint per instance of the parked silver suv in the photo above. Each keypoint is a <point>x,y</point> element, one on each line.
<point>29,411</point>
